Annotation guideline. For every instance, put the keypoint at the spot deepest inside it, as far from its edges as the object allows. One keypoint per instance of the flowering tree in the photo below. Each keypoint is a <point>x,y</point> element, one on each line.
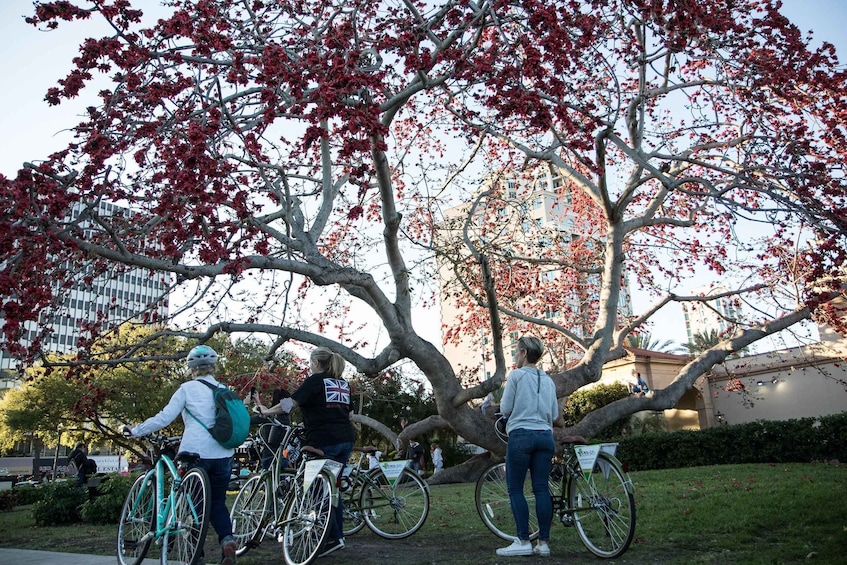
<point>307,147</point>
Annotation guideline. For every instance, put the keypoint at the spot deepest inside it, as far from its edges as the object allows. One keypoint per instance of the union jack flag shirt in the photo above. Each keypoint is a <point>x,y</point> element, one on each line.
<point>337,392</point>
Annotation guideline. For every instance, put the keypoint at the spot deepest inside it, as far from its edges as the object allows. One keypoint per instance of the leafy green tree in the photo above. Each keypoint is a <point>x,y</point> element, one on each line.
<point>388,398</point>
<point>62,403</point>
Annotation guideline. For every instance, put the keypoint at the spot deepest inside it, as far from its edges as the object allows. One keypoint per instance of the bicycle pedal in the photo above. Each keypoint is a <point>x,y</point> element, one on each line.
<point>567,521</point>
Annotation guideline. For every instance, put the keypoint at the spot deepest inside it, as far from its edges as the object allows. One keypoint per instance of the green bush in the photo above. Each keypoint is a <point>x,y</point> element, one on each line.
<point>587,400</point>
<point>8,500</point>
<point>28,494</point>
<point>105,508</point>
<point>781,441</point>
<point>59,504</point>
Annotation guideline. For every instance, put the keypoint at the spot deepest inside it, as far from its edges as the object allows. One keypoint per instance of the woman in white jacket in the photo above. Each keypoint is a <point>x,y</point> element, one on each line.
<point>529,401</point>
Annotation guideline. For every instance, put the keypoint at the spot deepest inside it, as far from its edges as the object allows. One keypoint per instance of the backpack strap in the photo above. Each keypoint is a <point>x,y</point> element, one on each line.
<point>211,386</point>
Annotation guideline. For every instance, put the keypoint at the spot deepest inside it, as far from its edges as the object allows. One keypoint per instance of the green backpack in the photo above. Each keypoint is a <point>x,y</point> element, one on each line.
<point>232,420</point>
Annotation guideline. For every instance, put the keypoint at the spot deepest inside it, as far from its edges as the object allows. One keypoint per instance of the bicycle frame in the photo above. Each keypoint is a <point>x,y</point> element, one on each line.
<point>285,485</point>
<point>361,477</point>
<point>167,504</point>
<point>164,505</point>
<point>273,475</point>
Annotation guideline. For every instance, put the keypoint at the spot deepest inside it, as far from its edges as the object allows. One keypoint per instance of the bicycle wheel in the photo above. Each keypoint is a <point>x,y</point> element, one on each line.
<point>136,522</point>
<point>492,503</point>
<point>603,508</point>
<point>184,536</point>
<point>395,511</point>
<point>307,521</point>
<point>249,511</point>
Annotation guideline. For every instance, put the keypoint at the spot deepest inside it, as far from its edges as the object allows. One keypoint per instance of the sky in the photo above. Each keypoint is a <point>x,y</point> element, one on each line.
<point>31,61</point>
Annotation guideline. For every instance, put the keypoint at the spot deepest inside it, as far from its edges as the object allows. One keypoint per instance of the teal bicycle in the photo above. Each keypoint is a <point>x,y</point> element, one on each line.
<point>167,506</point>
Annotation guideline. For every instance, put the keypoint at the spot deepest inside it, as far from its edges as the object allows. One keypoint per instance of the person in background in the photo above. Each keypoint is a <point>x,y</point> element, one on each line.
<point>530,404</point>
<point>437,458</point>
<point>415,453</point>
<point>79,455</point>
<point>640,387</point>
<point>373,459</point>
<point>214,458</point>
<point>325,403</point>
<point>486,403</point>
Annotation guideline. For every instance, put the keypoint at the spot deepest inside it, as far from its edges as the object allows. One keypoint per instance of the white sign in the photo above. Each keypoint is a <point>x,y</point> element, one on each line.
<point>314,466</point>
<point>587,455</point>
<point>392,469</point>
<point>108,463</point>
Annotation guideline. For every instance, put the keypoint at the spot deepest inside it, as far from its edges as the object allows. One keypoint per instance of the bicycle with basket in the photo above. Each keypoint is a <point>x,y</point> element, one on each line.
<point>591,492</point>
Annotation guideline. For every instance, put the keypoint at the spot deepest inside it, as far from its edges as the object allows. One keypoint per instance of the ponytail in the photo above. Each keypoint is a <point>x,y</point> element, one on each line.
<point>332,363</point>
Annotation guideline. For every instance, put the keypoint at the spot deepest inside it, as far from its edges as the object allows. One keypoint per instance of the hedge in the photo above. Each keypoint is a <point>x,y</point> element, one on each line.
<point>800,441</point>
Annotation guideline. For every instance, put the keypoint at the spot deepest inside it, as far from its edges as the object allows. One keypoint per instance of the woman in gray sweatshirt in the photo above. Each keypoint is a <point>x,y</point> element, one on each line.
<point>529,401</point>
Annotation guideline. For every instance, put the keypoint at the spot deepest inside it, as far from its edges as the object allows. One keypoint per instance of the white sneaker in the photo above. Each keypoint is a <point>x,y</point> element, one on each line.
<point>517,548</point>
<point>331,546</point>
<point>541,549</point>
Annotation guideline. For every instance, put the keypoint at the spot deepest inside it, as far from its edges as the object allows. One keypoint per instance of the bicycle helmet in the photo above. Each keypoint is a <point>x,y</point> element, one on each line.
<point>201,355</point>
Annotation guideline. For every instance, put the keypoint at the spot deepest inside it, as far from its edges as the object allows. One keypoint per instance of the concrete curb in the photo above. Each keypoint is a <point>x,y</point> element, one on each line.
<point>34,557</point>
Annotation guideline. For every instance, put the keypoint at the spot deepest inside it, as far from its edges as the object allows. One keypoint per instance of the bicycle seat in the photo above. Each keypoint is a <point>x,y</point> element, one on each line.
<point>571,440</point>
<point>312,450</point>
<point>187,456</point>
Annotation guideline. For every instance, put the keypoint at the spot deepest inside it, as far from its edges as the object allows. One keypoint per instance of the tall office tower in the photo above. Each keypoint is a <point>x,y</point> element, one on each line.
<point>119,295</point>
<point>716,315</point>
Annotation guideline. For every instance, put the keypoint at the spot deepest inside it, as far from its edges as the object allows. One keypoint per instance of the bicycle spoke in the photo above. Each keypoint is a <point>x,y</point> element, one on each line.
<point>604,509</point>
<point>249,513</point>
<point>183,540</point>
<point>136,521</point>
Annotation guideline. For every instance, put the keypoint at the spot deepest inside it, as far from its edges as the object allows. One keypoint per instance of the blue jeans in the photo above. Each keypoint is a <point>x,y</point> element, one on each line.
<point>530,450</point>
<point>338,452</point>
<point>219,471</point>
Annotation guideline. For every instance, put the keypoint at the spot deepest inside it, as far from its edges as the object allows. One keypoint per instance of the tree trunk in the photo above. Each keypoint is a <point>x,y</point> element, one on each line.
<point>467,472</point>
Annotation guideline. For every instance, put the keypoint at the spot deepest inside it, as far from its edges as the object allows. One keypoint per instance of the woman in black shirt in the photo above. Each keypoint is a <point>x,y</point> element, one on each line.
<point>324,400</point>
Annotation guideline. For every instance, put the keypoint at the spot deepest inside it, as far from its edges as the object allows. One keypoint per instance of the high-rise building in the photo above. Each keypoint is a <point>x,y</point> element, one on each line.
<point>717,315</point>
<point>531,212</point>
<point>124,293</point>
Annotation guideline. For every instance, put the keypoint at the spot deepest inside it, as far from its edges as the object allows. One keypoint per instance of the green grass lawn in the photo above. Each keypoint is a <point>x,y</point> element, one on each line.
<point>734,514</point>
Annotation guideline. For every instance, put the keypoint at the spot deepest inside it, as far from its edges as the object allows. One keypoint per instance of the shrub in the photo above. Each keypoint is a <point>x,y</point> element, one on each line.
<point>28,494</point>
<point>59,504</point>
<point>587,400</point>
<point>8,500</point>
<point>781,441</point>
<point>105,508</point>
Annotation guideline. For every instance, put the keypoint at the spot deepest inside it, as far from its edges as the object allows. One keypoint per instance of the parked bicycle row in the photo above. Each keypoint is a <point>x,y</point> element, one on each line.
<point>313,489</point>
